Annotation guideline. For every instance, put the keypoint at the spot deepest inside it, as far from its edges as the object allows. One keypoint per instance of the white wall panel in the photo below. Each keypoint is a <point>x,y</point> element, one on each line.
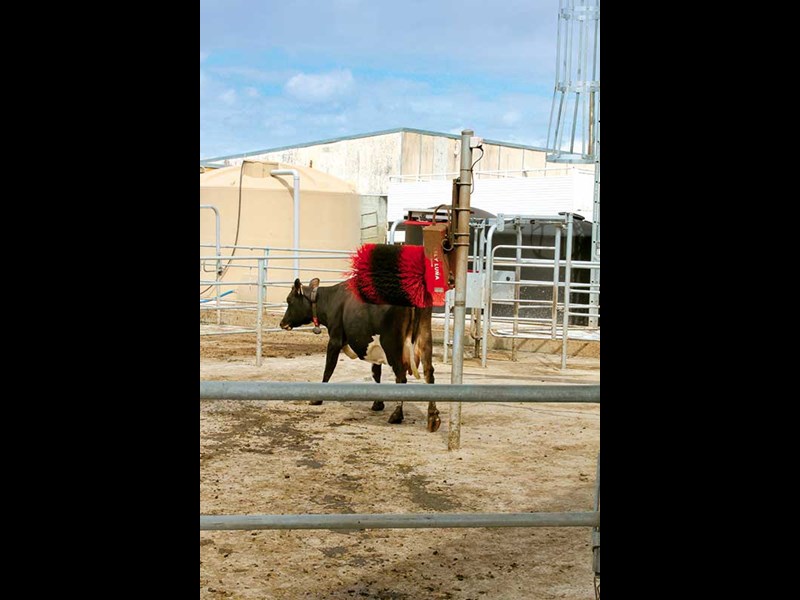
<point>518,196</point>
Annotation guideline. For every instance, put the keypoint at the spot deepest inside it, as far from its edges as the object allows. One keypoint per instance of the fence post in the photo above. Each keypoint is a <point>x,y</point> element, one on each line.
<point>460,304</point>
<point>567,280</point>
<point>259,309</point>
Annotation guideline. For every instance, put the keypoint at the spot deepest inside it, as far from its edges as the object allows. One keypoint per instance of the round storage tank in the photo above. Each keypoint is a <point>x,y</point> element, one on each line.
<point>256,209</point>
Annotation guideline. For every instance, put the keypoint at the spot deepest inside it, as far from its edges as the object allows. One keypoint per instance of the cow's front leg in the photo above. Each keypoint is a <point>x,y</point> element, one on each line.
<point>334,348</point>
<point>376,375</point>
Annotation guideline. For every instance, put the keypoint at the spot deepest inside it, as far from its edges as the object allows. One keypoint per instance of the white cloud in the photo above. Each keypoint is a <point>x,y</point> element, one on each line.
<point>512,117</point>
<point>253,118</point>
<point>368,66</point>
<point>253,75</point>
<point>228,96</point>
<point>320,88</point>
<point>433,105</point>
<point>278,127</point>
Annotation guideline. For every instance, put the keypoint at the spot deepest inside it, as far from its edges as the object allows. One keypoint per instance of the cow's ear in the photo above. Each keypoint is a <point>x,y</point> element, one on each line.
<point>314,283</point>
<point>298,288</point>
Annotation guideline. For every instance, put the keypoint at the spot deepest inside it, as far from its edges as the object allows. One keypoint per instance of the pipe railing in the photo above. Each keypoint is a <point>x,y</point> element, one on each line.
<point>508,173</point>
<point>296,201</point>
<point>272,248</point>
<point>217,241</point>
<point>260,263</point>
<point>398,521</point>
<point>558,265</point>
<point>518,262</point>
<point>345,392</point>
<point>363,392</point>
<point>485,261</point>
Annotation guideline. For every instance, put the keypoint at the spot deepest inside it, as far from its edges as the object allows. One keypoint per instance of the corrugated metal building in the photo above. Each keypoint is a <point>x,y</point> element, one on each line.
<point>411,168</point>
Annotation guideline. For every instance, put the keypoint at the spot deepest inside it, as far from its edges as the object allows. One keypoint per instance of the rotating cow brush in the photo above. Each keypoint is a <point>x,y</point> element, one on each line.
<point>390,274</point>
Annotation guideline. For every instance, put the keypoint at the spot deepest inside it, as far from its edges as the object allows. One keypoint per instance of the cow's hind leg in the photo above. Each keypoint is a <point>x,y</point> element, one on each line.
<point>434,421</point>
<point>376,375</point>
<point>397,415</point>
<point>433,413</point>
<point>425,348</point>
<point>399,377</point>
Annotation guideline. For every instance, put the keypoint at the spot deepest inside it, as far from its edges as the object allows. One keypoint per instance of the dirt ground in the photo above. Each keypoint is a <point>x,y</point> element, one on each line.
<point>289,457</point>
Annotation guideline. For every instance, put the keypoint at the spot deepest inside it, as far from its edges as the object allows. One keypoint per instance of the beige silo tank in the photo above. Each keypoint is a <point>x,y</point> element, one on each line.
<point>330,219</point>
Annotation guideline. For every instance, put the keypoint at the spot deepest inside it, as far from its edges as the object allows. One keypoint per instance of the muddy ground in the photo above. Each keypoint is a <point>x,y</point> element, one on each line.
<point>289,457</point>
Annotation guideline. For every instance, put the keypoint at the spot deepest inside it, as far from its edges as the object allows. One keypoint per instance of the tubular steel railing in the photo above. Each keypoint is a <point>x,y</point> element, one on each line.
<point>342,392</point>
<point>533,327</point>
<point>261,263</point>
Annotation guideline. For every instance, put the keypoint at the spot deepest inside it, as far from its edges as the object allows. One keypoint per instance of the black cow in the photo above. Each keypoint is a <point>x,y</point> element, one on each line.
<point>378,333</point>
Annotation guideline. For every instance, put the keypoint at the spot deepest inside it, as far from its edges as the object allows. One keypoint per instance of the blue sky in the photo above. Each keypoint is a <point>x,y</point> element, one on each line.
<point>283,73</point>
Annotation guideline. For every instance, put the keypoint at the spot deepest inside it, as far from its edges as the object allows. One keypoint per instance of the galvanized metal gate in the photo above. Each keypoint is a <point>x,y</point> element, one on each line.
<point>506,302</point>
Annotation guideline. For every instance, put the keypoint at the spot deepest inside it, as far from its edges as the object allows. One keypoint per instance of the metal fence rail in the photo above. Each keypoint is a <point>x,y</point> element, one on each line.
<point>365,392</point>
<point>398,521</point>
<point>518,326</point>
<point>262,263</point>
<point>573,309</point>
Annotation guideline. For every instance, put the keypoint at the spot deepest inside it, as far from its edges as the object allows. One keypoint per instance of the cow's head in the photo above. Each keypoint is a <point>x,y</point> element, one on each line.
<point>299,311</point>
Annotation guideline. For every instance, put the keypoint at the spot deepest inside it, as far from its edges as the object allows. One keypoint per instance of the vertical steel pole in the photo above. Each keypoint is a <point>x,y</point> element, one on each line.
<point>567,282</point>
<point>487,293</point>
<point>476,312</point>
<point>260,309</point>
<point>296,201</point>
<point>556,278</point>
<point>596,530</point>
<point>218,248</point>
<point>482,270</point>
<point>264,266</point>
<point>594,299</point>
<point>446,328</point>
<point>518,276</point>
<point>461,249</point>
<point>392,230</point>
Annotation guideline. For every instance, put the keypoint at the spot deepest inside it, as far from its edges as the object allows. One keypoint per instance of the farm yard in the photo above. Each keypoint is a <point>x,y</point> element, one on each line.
<point>341,457</point>
<point>502,236</point>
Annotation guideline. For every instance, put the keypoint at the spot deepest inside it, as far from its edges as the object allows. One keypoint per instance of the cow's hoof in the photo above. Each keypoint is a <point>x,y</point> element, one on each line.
<point>434,422</point>
<point>315,402</point>
<point>397,416</point>
<point>377,406</point>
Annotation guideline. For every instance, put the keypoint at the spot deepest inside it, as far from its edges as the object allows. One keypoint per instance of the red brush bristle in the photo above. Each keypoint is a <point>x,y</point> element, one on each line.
<point>361,282</point>
<point>389,274</point>
<point>411,271</point>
